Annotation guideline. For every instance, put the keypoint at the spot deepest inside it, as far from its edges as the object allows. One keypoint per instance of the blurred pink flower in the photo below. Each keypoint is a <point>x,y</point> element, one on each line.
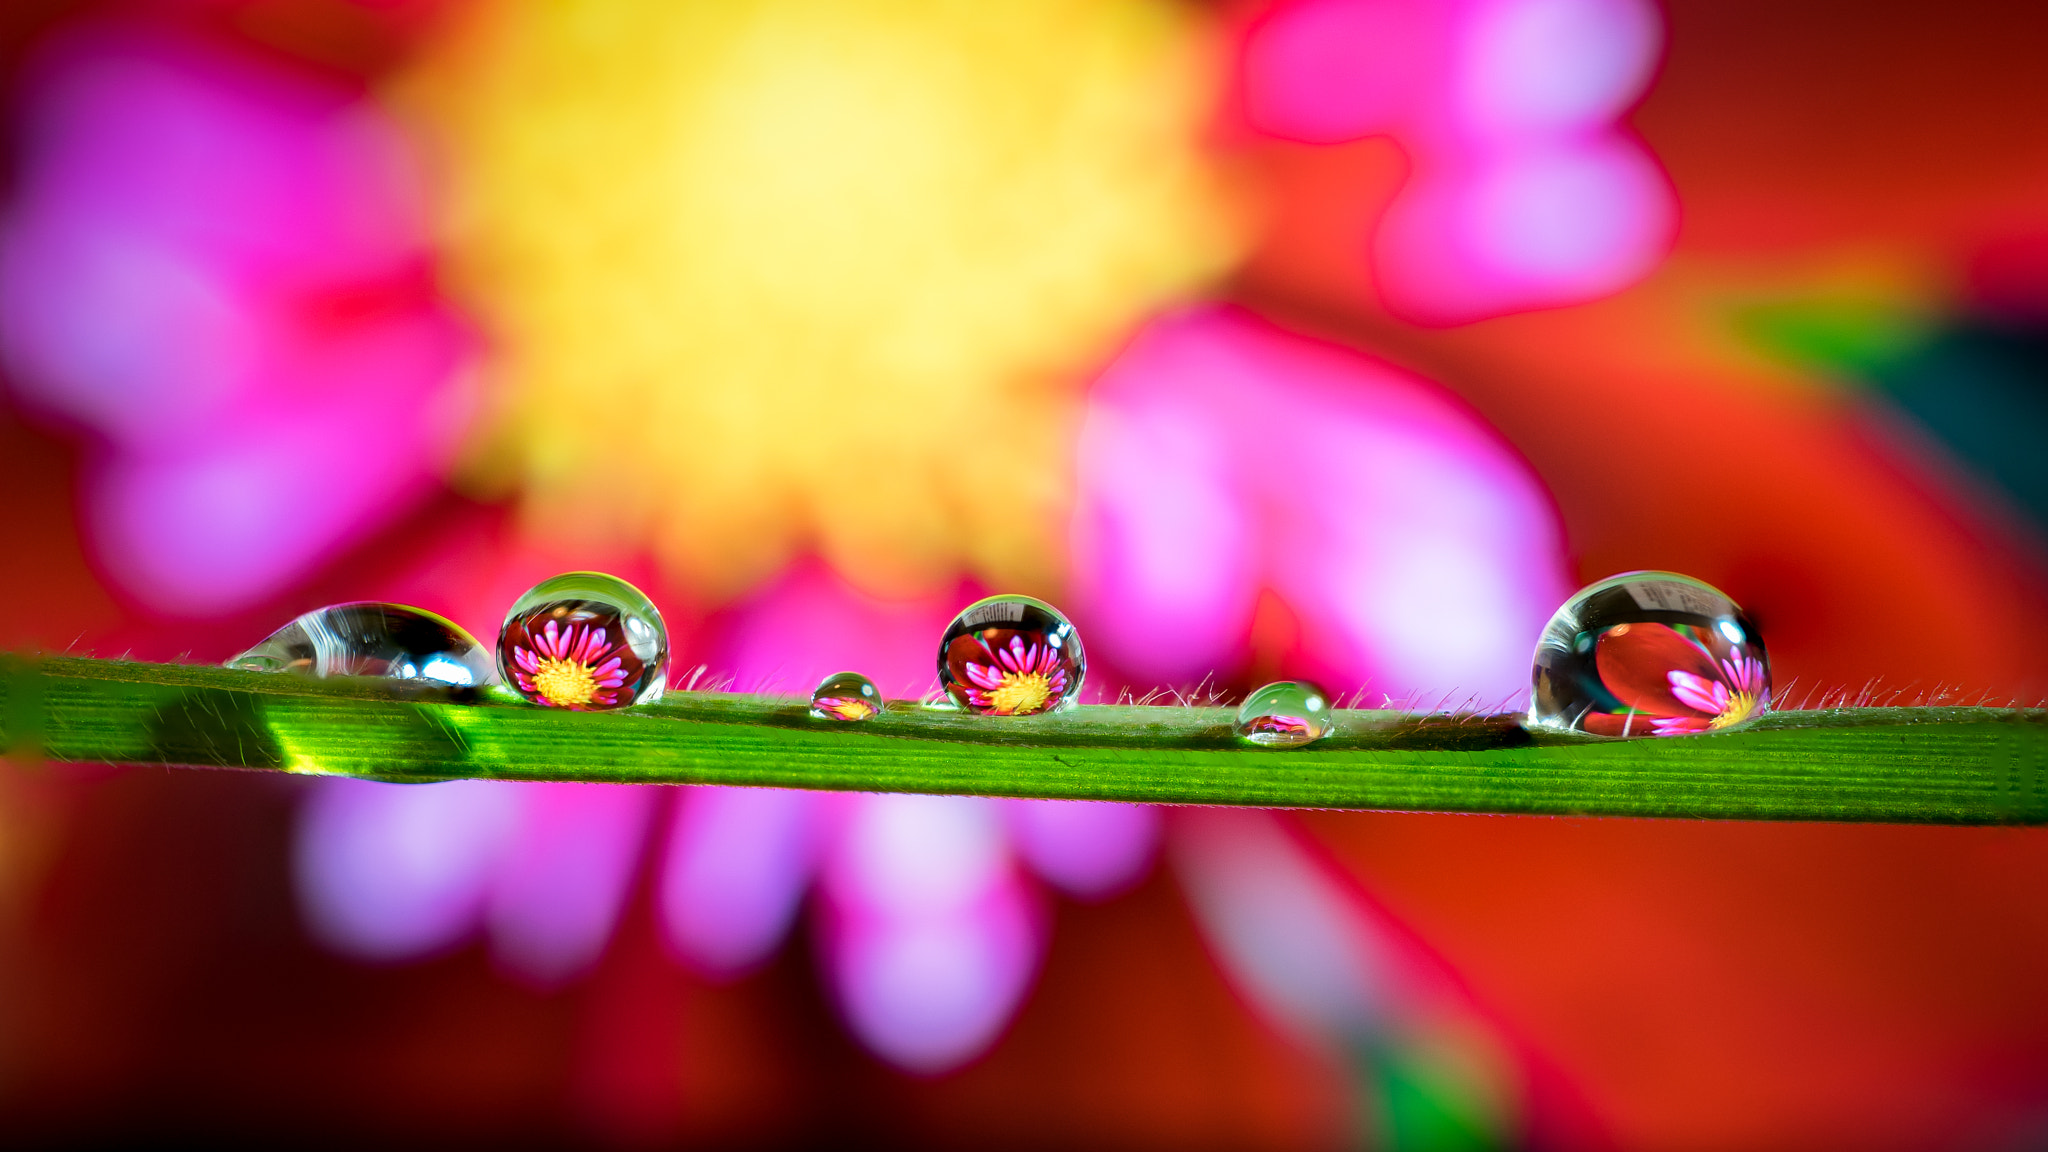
<point>218,271</point>
<point>1526,190</point>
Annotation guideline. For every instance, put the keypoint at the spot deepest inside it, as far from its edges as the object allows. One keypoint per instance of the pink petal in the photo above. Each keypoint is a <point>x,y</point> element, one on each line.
<point>388,873</point>
<point>930,936</point>
<point>1086,849</point>
<point>1007,659</point>
<point>734,875</point>
<point>1709,696</point>
<point>1385,497</point>
<point>561,888</point>
<point>549,641</point>
<point>1744,674</point>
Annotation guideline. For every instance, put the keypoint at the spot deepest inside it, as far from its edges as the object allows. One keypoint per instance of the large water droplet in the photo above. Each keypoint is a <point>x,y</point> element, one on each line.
<point>1011,656</point>
<point>1284,714</point>
<point>845,696</point>
<point>1649,654</point>
<point>368,638</point>
<point>585,641</point>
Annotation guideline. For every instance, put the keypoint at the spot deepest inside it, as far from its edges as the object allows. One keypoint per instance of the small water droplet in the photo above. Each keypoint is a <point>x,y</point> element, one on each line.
<point>585,641</point>
<point>845,696</point>
<point>1011,656</point>
<point>1284,714</point>
<point>368,638</point>
<point>1649,654</point>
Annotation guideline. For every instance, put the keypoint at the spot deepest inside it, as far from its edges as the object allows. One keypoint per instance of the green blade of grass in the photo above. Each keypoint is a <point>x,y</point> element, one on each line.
<point>1939,765</point>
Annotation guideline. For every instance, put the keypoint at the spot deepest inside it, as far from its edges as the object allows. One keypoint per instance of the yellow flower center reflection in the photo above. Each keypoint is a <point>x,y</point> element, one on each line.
<point>1740,705</point>
<point>1021,694</point>
<point>846,707</point>
<point>565,683</point>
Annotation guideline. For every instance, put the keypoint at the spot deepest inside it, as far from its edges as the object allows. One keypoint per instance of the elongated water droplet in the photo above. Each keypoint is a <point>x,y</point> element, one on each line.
<point>1284,714</point>
<point>1649,654</point>
<point>368,638</point>
<point>845,696</point>
<point>1011,656</point>
<point>584,641</point>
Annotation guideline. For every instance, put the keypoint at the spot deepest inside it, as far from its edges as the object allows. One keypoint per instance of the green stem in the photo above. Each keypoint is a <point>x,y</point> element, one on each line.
<point>1923,765</point>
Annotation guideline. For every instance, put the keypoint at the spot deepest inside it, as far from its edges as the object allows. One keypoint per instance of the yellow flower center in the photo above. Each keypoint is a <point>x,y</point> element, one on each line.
<point>1021,695</point>
<point>564,683</point>
<point>1740,705</point>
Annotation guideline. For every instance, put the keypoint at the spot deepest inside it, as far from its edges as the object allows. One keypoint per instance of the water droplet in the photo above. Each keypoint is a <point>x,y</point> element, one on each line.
<point>367,638</point>
<point>1284,714</point>
<point>845,696</point>
<point>584,640</point>
<point>1011,656</point>
<point>1649,654</point>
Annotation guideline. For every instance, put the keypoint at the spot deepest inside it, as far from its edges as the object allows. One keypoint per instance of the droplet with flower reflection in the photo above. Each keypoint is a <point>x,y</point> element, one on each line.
<point>1649,654</point>
<point>845,696</point>
<point>584,641</point>
<point>370,638</point>
<point>1011,656</point>
<point>1284,714</point>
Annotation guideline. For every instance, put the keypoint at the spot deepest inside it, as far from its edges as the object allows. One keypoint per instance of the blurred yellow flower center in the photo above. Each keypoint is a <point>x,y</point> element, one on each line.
<point>736,257</point>
<point>564,683</point>
<point>1021,694</point>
